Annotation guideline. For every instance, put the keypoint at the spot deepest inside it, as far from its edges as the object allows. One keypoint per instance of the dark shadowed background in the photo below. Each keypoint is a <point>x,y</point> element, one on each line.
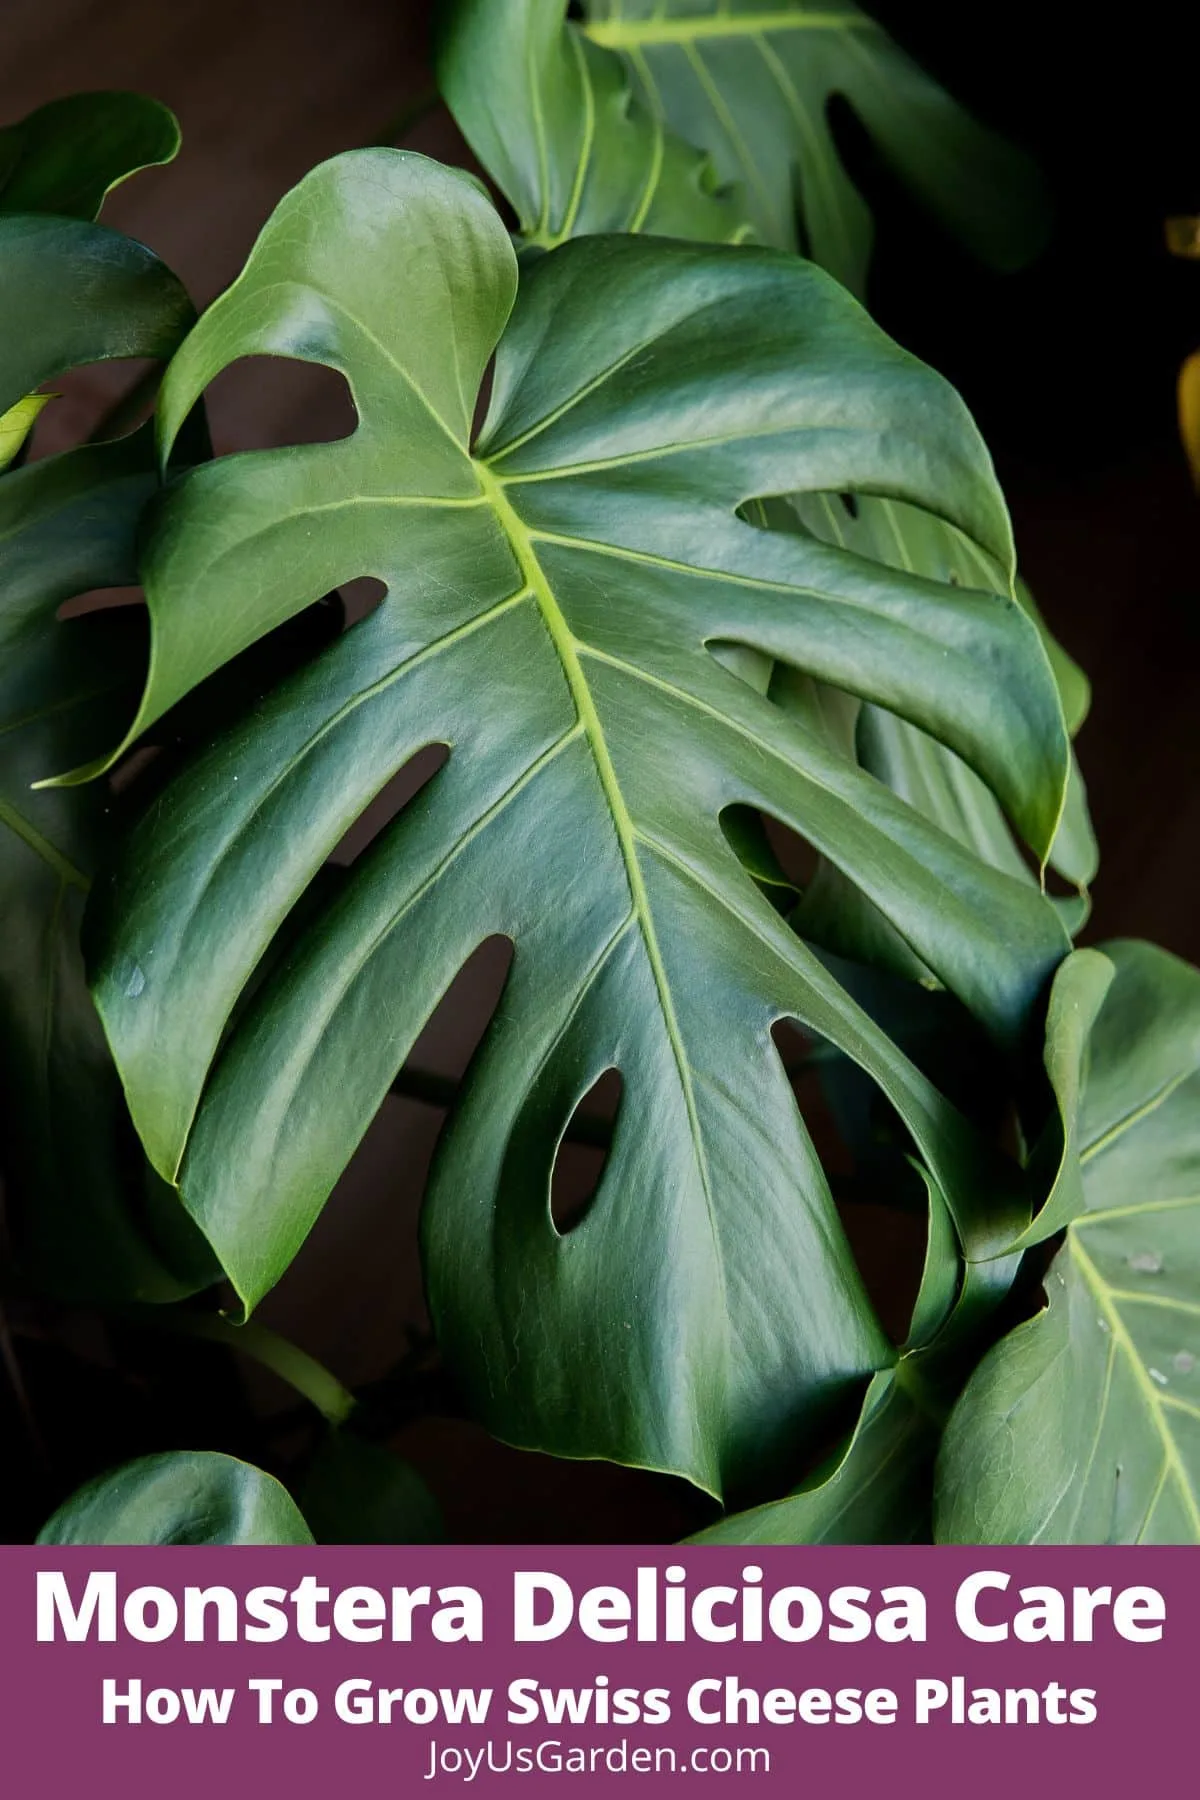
<point>1070,368</point>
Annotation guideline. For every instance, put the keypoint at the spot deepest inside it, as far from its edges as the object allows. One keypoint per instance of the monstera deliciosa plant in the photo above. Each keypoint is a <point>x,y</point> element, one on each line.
<point>702,595</point>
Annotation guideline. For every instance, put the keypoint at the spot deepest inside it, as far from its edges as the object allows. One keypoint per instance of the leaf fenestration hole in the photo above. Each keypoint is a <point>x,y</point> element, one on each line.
<point>392,798</point>
<point>795,855</point>
<point>361,596</point>
<point>750,666</point>
<point>455,1029</point>
<point>267,402</point>
<point>887,1242</point>
<point>583,1153</point>
<point>799,1051</point>
<point>99,600</point>
<point>93,400</point>
<point>363,1254</point>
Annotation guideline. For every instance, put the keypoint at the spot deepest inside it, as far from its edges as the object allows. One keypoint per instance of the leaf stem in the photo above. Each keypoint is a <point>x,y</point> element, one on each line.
<point>301,1371</point>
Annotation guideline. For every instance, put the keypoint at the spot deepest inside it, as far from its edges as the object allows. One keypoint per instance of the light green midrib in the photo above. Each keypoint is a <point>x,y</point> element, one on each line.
<point>727,123</point>
<point>625,34</point>
<point>567,648</point>
<point>1153,1400</point>
<point>654,169</point>
<point>589,131</point>
<point>1142,1209</point>
<point>539,132</point>
<point>1126,1123</point>
<point>819,165</point>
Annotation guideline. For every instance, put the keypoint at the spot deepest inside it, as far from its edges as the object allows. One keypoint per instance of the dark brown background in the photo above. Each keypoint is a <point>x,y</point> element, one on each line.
<point>1070,368</point>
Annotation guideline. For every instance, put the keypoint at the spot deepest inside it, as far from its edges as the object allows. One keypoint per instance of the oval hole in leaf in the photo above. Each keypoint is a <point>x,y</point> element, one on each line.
<point>99,600</point>
<point>264,402</point>
<point>354,1295</point>
<point>391,799</point>
<point>794,854</point>
<point>360,597</point>
<point>583,1153</point>
<point>746,834</point>
<point>799,1051</point>
<point>750,666</point>
<point>96,400</point>
<point>779,860</point>
<point>889,1247</point>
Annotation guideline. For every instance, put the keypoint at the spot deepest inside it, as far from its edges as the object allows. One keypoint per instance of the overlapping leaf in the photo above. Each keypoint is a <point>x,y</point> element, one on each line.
<point>65,157</point>
<point>551,596</point>
<point>749,85</point>
<point>748,81</point>
<point>184,1497</point>
<point>554,120</point>
<point>88,1217</point>
<point>1083,1426</point>
<point>878,1489</point>
<point>925,773</point>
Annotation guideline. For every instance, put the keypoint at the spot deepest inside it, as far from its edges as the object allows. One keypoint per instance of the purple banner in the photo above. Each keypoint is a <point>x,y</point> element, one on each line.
<point>495,1671</point>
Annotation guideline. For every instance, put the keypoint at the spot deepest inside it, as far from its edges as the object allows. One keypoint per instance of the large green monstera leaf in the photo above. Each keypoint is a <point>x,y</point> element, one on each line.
<point>749,86</point>
<point>563,115</point>
<point>86,1217</point>
<point>553,593</point>
<point>1083,1425</point>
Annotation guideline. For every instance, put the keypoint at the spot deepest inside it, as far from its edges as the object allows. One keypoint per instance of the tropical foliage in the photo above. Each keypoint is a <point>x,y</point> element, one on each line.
<point>685,563</point>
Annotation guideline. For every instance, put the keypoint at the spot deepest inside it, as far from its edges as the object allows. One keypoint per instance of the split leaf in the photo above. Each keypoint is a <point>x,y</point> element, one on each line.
<point>552,592</point>
<point>1083,1425</point>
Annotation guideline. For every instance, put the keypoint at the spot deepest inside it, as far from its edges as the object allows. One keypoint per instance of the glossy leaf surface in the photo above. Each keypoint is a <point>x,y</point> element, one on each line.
<point>84,1219</point>
<point>184,1497</point>
<point>879,1488</point>
<point>749,83</point>
<point>929,775</point>
<point>65,157</point>
<point>551,597</point>
<point>878,1491</point>
<point>1083,1425</point>
<point>553,119</point>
